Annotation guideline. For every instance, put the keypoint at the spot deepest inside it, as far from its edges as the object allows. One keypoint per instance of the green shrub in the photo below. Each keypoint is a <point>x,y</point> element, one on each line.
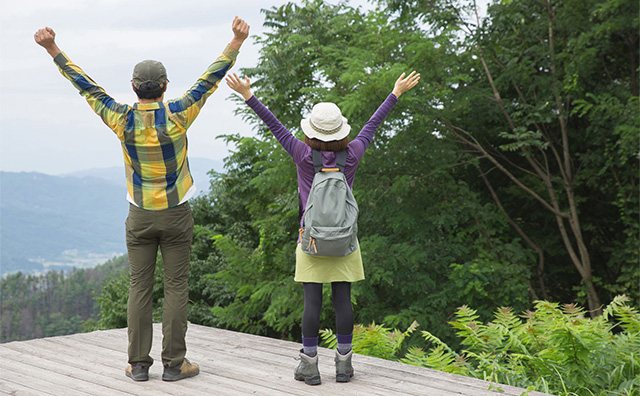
<point>554,349</point>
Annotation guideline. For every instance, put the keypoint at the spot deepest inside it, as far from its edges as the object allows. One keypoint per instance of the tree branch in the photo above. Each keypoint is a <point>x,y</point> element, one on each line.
<point>476,145</point>
<point>532,245</point>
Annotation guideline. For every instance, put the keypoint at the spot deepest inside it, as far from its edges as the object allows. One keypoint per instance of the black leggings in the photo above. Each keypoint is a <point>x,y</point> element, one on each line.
<point>341,296</point>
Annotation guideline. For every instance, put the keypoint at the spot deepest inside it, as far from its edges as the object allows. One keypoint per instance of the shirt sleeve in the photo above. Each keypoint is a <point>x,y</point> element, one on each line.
<point>113,114</point>
<point>290,143</point>
<point>360,144</point>
<point>187,107</point>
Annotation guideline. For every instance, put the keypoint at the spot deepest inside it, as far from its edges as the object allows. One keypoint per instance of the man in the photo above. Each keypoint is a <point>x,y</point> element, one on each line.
<point>159,184</point>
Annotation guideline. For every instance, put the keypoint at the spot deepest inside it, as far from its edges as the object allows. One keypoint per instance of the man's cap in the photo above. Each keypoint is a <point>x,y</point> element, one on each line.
<point>149,70</point>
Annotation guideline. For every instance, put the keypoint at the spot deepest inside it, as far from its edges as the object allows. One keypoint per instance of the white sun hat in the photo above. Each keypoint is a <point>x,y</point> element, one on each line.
<point>325,123</point>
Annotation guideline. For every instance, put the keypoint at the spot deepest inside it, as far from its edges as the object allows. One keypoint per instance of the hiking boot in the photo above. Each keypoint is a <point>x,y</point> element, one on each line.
<point>344,369</point>
<point>185,370</point>
<point>307,370</point>
<point>137,372</point>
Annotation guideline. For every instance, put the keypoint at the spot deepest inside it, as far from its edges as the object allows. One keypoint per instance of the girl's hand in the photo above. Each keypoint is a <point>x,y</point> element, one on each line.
<point>403,84</point>
<point>241,87</point>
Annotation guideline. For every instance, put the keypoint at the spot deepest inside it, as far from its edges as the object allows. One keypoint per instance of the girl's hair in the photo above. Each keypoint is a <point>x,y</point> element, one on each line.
<point>334,145</point>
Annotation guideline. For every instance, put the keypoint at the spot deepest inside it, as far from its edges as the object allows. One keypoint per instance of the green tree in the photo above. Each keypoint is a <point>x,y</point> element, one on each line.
<point>549,109</point>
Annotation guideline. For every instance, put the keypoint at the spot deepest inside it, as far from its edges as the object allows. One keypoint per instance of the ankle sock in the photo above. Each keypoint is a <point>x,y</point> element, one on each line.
<point>344,343</point>
<point>310,346</point>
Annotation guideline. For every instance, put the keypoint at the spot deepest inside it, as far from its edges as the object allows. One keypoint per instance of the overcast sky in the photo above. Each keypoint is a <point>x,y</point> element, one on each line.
<point>46,126</point>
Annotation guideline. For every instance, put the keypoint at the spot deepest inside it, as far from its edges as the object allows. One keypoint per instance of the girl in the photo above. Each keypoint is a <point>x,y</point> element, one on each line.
<point>325,130</point>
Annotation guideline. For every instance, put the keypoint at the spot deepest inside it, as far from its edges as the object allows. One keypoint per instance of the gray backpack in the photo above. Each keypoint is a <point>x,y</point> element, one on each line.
<point>330,221</point>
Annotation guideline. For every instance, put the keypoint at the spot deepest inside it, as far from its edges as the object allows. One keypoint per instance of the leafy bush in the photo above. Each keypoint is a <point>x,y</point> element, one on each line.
<point>554,349</point>
<point>373,340</point>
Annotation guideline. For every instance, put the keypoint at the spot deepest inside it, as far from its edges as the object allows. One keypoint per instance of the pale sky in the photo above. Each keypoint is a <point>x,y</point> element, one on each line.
<point>46,126</point>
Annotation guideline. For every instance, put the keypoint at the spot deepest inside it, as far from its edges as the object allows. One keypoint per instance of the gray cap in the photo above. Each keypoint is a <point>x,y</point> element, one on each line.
<point>149,70</point>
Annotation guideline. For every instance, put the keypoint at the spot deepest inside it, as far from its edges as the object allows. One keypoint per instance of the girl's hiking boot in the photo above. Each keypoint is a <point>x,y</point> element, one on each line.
<point>344,369</point>
<point>137,372</point>
<point>185,370</point>
<point>307,370</point>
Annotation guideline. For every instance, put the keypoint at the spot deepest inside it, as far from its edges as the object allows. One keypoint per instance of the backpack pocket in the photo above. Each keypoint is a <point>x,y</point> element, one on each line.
<point>330,241</point>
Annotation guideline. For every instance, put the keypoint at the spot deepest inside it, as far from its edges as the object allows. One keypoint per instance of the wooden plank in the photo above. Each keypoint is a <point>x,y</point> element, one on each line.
<point>412,386</point>
<point>271,376</point>
<point>35,379</point>
<point>374,376</point>
<point>387,371</point>
<point>263,371</point>
<point>84,380</point>
<point>275,356</point>
<point>86,367</point>
<point>231,363</point>
<point>437,379</point>
<point>281,371</point>
<point>16,389</point>
<point>234,370</point>
<point>115,375</point>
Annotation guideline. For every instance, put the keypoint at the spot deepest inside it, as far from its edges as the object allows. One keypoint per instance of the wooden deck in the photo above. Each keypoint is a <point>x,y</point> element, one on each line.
<point>230,364</point>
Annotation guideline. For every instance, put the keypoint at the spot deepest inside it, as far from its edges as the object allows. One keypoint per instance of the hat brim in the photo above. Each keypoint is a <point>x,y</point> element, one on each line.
<point>313,134</point>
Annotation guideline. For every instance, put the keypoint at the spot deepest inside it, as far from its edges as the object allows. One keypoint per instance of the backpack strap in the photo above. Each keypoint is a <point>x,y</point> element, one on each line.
<point>317,161</point>
<point>341,161</point>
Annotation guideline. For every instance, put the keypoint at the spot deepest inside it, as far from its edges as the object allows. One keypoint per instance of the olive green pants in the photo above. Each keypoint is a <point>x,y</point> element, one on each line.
<point>171,230</point>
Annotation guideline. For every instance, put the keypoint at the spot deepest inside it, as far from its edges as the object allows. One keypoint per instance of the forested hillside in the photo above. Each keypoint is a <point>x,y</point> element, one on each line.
<point>55,303</point>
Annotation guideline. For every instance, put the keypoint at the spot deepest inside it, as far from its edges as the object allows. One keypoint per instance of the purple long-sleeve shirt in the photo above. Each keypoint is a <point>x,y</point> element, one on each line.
<point>300,152</point>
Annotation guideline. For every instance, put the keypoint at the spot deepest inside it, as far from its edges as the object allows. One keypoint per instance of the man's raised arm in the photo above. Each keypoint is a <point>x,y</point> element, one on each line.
<point>111,112</point>
<point>186,108</point>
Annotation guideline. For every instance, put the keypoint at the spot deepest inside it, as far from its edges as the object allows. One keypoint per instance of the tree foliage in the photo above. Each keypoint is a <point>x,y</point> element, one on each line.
<point>550,101</point>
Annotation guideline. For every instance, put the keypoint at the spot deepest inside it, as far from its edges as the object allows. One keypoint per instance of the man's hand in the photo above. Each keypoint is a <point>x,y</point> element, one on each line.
<point>403,84</point>
<point>240,32</point>
<point>243,88</point>
<point>46,38</point>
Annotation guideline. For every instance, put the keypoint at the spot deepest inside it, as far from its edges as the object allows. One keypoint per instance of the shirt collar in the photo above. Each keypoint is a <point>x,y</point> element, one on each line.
<point>148,106</point>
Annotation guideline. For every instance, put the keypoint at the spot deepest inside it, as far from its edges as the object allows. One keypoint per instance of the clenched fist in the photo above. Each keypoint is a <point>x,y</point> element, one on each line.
<point>46,38</point>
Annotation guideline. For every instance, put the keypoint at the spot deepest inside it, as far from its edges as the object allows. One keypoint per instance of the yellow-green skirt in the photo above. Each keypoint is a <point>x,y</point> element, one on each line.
<point>325,269</point>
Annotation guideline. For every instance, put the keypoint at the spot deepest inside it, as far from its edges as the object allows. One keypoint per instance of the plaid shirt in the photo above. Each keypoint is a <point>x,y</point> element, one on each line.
<point>153,135</point>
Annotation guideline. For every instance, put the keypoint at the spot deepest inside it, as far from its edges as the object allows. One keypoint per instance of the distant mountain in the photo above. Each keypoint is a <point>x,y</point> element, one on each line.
<point>51,220</point>
<point>72,220</point>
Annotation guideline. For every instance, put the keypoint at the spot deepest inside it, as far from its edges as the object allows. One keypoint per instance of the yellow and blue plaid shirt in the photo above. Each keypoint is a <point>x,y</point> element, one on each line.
<point>153,135</point>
